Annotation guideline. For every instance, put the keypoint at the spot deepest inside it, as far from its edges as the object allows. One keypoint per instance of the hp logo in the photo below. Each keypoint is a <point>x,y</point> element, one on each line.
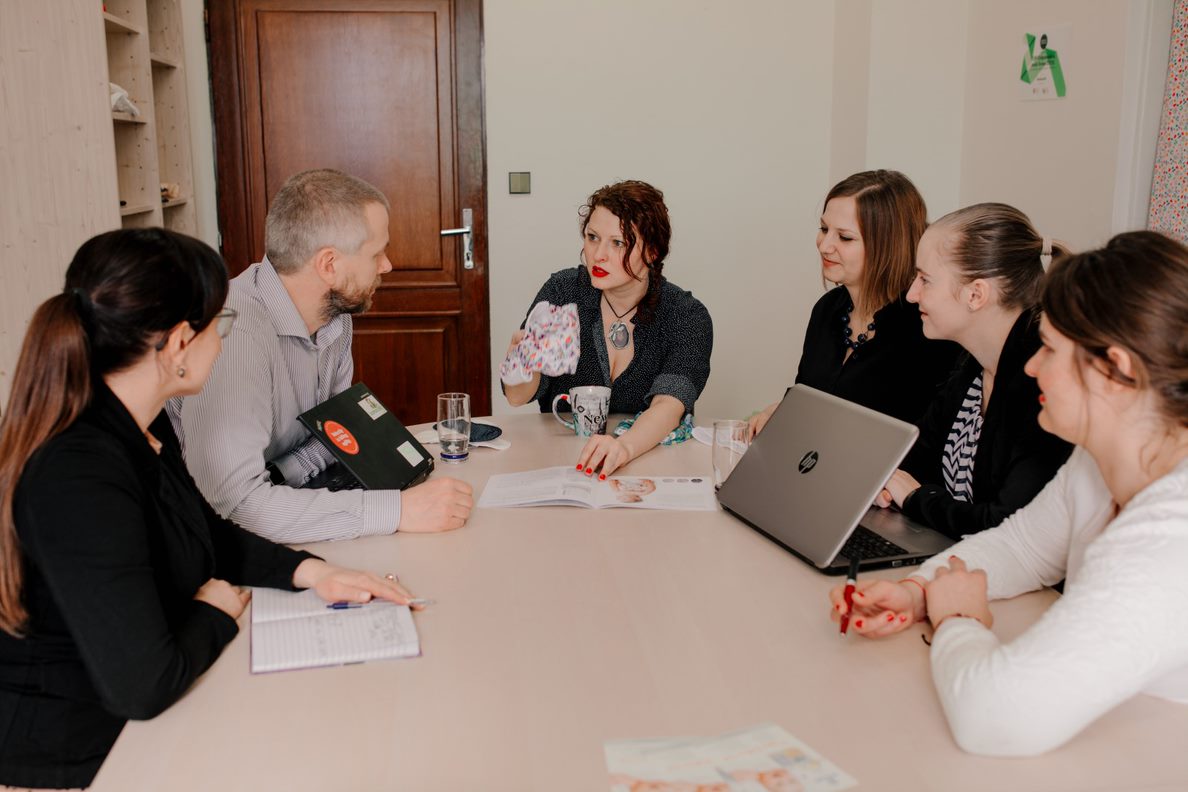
<point>808,462</point>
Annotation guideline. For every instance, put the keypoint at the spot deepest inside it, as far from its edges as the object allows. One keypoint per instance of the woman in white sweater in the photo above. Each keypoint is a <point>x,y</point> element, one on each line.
<point>1113,376</point>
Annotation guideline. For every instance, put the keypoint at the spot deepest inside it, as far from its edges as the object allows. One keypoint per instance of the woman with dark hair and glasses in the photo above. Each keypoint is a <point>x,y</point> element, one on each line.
<point>646,339</point>
<point>119,585</point>
<point>1112,370</point>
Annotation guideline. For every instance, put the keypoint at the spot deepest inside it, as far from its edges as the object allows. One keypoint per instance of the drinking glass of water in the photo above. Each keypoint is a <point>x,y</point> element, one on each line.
<point>453,426</point>
<point>730,443</point>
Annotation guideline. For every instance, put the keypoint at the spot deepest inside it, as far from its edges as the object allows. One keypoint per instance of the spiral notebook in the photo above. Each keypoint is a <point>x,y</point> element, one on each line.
<point>293,630</point>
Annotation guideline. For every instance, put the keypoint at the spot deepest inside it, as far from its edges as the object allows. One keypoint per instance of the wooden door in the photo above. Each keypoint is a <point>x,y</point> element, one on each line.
<point>390,91</point>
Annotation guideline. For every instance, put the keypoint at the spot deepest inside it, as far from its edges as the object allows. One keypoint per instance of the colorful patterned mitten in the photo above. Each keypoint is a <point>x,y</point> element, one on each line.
<point>551,344</point>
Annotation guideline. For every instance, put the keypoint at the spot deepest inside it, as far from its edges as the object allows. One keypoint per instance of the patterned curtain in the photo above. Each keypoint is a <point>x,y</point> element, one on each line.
<point>1169,184</point>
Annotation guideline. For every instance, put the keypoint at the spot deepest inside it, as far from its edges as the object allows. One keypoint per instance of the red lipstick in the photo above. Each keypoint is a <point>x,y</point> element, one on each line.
<point>598,272</point>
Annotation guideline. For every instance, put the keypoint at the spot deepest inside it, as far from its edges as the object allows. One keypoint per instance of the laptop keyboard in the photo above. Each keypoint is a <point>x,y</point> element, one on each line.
<point>865,543</point>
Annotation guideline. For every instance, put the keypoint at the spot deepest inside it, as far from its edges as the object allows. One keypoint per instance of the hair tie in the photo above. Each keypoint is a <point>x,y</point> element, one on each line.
<point>1046,254</point>
<point>81,298</point>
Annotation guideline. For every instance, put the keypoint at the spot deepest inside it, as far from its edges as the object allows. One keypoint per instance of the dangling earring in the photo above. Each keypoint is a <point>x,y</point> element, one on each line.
<point>582,256</point>
<point>181,371</point>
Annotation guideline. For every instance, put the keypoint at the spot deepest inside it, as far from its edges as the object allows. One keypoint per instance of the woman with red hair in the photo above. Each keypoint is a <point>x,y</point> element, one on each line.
<point>646,339</point>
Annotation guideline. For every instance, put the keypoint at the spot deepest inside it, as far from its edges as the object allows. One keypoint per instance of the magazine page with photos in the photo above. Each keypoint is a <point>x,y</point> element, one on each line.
<point>764,758</point>
<point>565,486</point>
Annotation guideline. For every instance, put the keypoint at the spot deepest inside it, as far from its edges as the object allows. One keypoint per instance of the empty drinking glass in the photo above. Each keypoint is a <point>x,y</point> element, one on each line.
<point>730,443</point>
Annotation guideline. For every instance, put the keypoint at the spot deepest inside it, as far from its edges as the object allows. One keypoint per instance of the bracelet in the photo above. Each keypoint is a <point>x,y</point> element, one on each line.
<point>915,582</point>
<point>946,617</point>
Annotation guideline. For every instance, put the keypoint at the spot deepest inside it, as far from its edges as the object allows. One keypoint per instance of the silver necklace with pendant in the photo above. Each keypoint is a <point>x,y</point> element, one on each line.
<point>619,335</point>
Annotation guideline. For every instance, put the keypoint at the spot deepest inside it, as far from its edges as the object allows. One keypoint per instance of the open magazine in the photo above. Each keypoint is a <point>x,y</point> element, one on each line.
<point>565,486</point>
<point>764,758</point>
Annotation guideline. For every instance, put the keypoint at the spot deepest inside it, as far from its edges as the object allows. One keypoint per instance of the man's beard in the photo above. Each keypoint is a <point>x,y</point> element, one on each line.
<point>338,302</point>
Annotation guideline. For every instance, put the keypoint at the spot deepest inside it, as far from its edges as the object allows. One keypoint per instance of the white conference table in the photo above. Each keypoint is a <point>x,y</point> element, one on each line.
<point>556,629</point>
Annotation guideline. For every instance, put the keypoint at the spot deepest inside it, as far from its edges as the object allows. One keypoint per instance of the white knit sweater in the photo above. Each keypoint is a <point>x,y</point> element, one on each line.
<point>1120,628</point>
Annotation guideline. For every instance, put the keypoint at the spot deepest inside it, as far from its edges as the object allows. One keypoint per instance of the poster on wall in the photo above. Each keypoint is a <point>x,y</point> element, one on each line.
<point>1045,55</point>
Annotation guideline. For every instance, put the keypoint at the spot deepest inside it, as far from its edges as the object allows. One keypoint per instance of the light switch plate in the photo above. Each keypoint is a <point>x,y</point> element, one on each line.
<point>519,183</point>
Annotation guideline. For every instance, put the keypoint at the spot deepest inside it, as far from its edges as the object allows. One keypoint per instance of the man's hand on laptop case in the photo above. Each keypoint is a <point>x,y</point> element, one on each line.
<point>440,504</point>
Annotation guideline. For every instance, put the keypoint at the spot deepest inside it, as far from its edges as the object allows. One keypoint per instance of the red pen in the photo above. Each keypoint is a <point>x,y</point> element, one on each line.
<point>848,596</point>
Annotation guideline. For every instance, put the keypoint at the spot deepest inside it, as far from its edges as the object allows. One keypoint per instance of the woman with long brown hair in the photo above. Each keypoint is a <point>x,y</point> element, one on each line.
<point>864,342</point>
<point>645,338</point>
<point>1112,376</point>
<point>119,585</point>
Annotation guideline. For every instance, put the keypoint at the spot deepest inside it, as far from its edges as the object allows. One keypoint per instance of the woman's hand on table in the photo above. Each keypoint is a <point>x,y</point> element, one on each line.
<point>896,490</point>
<point>338,584</point>
<point>957,591</point>
<point>220,594</point>
<point>759,420</point>
<point>605,452</point>
<point>881,607</point>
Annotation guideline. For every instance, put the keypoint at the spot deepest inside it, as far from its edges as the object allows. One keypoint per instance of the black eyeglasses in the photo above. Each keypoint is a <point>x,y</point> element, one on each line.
<point>224,320</point>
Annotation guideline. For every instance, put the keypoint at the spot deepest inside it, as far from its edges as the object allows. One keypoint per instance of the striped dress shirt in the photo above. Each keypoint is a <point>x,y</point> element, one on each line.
<point>271,370</point>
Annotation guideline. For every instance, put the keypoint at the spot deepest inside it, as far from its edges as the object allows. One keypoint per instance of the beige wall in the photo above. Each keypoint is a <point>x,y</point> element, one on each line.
<point>945,108</point>
<point>915,113</point>
<point>1055,160</point>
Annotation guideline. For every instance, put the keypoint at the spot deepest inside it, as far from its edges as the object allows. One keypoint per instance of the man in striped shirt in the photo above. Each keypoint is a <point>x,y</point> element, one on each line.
<point>290,349</point>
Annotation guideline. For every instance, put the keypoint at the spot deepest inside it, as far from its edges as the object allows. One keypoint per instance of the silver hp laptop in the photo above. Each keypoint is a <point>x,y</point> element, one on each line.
<point>810,477</point>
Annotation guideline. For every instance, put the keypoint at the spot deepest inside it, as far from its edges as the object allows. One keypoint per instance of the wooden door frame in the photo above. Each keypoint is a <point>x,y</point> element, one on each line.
<point>233,178</point>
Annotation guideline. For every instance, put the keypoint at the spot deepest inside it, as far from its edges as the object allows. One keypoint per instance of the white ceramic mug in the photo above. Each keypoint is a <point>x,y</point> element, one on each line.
<point>590,404</point>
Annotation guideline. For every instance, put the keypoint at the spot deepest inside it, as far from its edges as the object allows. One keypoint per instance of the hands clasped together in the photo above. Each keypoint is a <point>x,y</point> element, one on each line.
<point>885,607</point>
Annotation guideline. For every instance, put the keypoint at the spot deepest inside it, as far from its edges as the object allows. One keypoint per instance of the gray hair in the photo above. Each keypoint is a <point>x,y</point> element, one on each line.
<point>316,209</point>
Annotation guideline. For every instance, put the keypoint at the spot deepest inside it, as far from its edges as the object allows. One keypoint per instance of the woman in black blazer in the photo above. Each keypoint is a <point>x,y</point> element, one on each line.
<point>119,585</point>
<point>864,342</point>
<point>981,453</point>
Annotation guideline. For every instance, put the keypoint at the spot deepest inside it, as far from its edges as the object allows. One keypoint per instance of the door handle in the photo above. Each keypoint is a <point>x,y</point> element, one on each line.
<point>467,237</point>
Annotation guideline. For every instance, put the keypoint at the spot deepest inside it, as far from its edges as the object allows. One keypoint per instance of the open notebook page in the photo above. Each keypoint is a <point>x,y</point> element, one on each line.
<point>296,630</point>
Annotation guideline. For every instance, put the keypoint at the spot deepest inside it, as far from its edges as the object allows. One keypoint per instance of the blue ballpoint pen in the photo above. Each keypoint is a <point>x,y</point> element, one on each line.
<point>344,605</point>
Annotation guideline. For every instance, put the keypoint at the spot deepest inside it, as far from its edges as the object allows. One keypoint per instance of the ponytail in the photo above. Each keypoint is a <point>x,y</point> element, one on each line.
<point>50,389</point>
<point>124,289</point>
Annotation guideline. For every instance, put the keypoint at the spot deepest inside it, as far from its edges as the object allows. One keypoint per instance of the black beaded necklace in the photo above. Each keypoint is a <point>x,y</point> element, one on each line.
<point>854,343</point>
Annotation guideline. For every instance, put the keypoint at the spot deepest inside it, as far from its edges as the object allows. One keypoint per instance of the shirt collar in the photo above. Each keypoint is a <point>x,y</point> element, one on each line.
<point>284,314</point>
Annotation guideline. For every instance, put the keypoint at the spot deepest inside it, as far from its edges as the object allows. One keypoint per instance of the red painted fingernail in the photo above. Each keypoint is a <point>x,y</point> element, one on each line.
<point>890,617</point>
<point>589,471</point>
<point>602,477</point>
<point>903,618</point>
<point>858,624</point>
<point>579,467</point>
